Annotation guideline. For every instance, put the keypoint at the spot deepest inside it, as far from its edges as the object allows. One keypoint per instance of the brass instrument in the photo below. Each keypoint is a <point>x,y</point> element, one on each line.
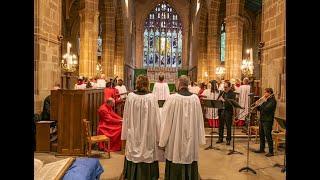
<point>259,102</point>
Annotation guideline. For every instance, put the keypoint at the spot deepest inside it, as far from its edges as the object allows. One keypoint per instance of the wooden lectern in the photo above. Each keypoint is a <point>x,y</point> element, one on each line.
<point>68,108</point>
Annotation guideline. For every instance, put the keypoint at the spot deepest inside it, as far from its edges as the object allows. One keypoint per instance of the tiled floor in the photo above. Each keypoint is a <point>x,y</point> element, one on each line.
<point>213,164</point>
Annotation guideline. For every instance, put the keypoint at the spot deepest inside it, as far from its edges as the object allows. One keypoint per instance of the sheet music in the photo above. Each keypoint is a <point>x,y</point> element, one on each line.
<point>54,170</point>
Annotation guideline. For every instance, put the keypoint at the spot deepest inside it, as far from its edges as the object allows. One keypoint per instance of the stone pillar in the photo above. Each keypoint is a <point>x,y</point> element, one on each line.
<point>89,25</point>
<point>47,49</point>
<point>108,38</point>
<point>118,67</point>
<point>274,51</point>
<point>234,29</point>
<point>213,38</point>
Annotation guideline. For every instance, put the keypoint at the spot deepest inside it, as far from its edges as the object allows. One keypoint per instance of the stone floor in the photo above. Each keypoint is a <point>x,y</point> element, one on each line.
<point>213,164</point>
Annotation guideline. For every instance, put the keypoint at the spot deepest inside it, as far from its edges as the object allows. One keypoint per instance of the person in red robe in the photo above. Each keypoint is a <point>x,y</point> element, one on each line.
<point>110,124</point>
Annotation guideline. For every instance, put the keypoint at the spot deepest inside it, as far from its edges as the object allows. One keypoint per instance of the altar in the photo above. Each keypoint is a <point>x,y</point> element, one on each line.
<point>170,76</point>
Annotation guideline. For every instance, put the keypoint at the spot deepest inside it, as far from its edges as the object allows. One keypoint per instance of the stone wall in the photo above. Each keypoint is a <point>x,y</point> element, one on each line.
<point>274,50</point>
<point>47,28</point>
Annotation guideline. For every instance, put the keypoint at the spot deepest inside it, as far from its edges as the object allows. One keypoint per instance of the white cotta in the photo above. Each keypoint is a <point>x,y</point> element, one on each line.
<point>183,129</point>
<point>101,83</point>
<point>122,89</point>
<point>244,100</point>
<point>81,86</point>
<point>211,113</point>
<point>141,128</point>
<point>194,89</point>
<point>161,90</point>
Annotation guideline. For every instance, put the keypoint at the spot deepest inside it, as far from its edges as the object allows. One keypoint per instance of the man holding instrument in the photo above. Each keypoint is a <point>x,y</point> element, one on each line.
<point>267,110</point>
<point>225,115</point>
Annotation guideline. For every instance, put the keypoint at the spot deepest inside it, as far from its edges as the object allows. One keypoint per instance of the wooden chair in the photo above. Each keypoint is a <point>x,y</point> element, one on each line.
<point>256,130</point>
<point>94,139</point>
<point>278,135</point>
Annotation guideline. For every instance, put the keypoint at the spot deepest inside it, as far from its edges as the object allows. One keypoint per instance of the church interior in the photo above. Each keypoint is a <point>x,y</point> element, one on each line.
<point>88,53</point>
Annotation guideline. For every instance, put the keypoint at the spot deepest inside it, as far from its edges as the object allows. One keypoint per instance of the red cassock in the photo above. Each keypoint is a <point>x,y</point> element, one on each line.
<point>110,124</point>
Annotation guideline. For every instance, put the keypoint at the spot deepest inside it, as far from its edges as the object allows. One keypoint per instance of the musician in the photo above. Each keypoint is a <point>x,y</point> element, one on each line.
<point>267,110</point>
<point>225,115</point>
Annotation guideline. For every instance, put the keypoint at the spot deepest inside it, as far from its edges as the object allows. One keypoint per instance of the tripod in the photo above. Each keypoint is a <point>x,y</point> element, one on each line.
<point>234,105</point>
<point>210,103</point>
<point>249,136</point>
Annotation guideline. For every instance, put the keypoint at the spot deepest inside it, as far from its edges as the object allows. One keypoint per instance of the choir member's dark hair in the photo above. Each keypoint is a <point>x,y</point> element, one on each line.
<point>269,90</point>
<point>108,84</point>
<point>142,83</point>
<point>228,83</point>
<point>214,86</point>
<point>192,83</point>
<point>120,80</point>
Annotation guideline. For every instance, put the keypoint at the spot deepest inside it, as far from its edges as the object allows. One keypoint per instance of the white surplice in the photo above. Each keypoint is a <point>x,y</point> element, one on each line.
<point>212,113</point>
<point>194,89</point>
<point>244,100</point>
<point>101,83</point>
<point>161,90</point>
<point>122,89</point>
<point>183,129</point>
<point>141,128</point>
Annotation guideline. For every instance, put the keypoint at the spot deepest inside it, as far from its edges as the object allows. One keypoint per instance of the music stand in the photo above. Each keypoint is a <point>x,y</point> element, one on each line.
<point>283,167</point>
<point>249,136</point>
<point>234,105</point>
<point>211,103</point>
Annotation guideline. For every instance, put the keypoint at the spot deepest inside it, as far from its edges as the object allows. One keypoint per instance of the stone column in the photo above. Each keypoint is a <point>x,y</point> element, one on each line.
<point>234,29</point>
<point>108,38</point>
<point>274,52</point>
<point>213,38</point>
<point>89,24</point>
<point>47,49</point>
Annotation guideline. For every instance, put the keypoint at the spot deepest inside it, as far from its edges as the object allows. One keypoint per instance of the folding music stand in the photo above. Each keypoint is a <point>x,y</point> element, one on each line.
<point>234,105</point>
<point>211,103</point>
<point>247,167</point>
<point>282,123</point>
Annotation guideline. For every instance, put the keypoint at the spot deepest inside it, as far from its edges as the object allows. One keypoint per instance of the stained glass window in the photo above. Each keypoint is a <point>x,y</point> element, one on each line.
<point>222,42</point>
<point>162,38</point>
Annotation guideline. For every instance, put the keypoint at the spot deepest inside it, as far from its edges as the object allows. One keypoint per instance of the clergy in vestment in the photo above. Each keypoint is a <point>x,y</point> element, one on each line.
<point>244,101</point>
<point>161,89</point>
<point>110,124</point>
<point>212,113</point>
<point>141,129</point>
<point>101,82</point>
<point>122,89</point>
<point>182,133</point>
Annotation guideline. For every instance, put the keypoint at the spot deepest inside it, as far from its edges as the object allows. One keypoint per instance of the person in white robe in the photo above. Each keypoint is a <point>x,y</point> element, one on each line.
<point>101,82</point>
<point>193,88</point>
<point>80,84</point>
<point>244,101</point>
<point>212,113</point>
<point>161,89</point>
<point>121,88</point>
<point>141,130</point>
<point>182,132</point>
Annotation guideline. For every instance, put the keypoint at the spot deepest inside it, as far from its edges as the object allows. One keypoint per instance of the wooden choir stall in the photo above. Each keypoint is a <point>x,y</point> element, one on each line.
<point>68,108</point>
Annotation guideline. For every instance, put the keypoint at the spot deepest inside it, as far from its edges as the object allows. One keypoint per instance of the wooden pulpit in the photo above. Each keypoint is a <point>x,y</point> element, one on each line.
<point>68,108</point>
